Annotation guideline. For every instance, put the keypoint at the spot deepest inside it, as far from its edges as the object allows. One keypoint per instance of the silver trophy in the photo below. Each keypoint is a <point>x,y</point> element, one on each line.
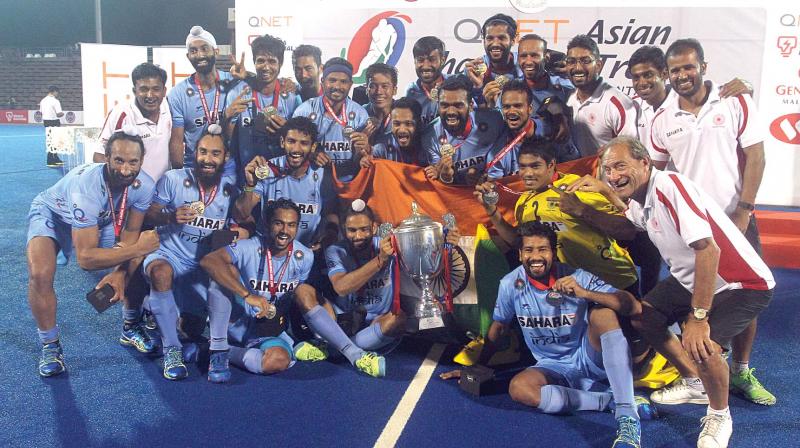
<point>420,243</point>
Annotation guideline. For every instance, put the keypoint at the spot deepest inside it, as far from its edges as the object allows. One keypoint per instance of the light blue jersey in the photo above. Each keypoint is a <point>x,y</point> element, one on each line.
<point>508,164</point>
<point>313,193</point>
<point>481,136</point>
<point>189,241</point>
<point>383,130</point>
<point>80,199</point>
<point>188,112</point>
<point>250,258</point>
<point>330,138</point>
<point>559,89</point>
<point>430,108</point>
<point>390,150</point>
<point>248,140</point>
<point>376,295</point>
<point>553,331</point>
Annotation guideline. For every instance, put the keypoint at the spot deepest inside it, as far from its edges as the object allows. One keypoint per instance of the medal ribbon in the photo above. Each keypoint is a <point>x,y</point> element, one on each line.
<point>275,97</point>
<point>209,118</point>
<point>211,195</point>
<point>123,207</point>
<point>497,158</point>
<point>541,286</point>
<point>462,137</point>
<point>273,285</point>
<point>436,84</point>
<point>343,120</point>
<point>395,277</point>
<point>448,287</point>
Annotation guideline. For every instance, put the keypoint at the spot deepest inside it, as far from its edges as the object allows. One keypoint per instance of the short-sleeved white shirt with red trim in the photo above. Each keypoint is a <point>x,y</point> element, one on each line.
<point>645,120</point>
<point>707,148</point>
<point>677,213</point>
<point>608,113</point>
<point>127,117</point>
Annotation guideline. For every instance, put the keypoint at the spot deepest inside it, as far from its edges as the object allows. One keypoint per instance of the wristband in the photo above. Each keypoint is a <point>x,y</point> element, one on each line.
<point>249,189</point>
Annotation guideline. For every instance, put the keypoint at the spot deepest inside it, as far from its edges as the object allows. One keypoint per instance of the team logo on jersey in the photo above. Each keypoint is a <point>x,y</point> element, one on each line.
<point>307,209</point>
<point>379,39</point>
<point>352,115</point>
<point>471,162</point>
<point>136,184</point>
<point>298,254</point>
<point>226,190</point>
<point>315,176</point>
<point>187,182</point>
<point>563,320</point>
<point>189,91</point>
<point>553,203</point>
<point>519,284</point>
<point>202,222</point>
<point>719,120</point>
<point>592,117</point>
<point>312,116</point>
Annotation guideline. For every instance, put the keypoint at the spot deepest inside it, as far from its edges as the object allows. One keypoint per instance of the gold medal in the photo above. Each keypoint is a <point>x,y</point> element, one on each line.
<point>271,311</point>
<point>270,111</point>
<point>480,68</point>
<point>198,207</point>
<point>262,171</point>
<point>434,94</point>
<point>501,80</point>
<point>447,150</point>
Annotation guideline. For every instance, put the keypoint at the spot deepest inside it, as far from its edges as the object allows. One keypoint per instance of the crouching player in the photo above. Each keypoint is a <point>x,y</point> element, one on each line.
<point>577,345</point>
<point>190,204</point>
<point>358,267</point>
<point>269,272</point>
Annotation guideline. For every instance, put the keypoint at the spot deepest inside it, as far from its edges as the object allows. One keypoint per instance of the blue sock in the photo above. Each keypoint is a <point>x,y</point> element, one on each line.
<point>131,315</point>
<point>371,338</point>
<point>246,358</point>
<point>617,364</point>
<point>219,313</point>
<point>47,336</point>
<point>162,305</point>
<point>560,399</point>
<point>321,323</point>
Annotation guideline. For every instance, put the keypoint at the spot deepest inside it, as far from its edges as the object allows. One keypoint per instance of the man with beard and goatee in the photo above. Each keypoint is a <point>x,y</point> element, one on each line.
<point>499,63</point>
<point>306,62</point>
<point>569,320</point>
<point>429,57</point>
<point>93,206</point>
<point>294,176</point>
<point>270,273</point>
<point>337,117</point>
<point>701,132</point>
<point>254,114</point>
<point>147,116</point>
<point>458,141</point>
<point>189,205</point>
<point>358,267</point>
<point>521,126</point>
<point>549,93</point>
<point>198,100</point>
<point>600,111</point>
<point>404,143</point>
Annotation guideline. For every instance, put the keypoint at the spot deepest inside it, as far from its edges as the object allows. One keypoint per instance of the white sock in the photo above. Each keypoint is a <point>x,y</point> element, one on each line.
<point>739,367</point>
<point>723,412</point>
<point>695,383</point>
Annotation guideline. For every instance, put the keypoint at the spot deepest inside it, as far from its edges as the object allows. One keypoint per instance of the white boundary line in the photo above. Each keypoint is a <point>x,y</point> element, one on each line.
<point>397,422</point>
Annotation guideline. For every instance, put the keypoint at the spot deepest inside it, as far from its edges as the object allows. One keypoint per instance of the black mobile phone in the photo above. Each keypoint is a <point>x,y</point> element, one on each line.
<point>100,299</point>
<point>222,238</point>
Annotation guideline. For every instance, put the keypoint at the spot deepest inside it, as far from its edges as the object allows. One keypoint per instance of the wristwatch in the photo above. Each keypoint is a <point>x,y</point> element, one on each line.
<point>700,313</point>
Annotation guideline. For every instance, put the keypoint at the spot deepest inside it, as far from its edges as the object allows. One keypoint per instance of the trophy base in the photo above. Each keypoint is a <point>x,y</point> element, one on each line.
<point>427,323</point>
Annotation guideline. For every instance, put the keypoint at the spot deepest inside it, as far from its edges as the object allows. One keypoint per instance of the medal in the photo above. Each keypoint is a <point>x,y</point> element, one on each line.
<point>491,197</point>
<point>554,298</point>
<point>434,94</point>
<point>285,94</point>
<point>447,150</point>
<point>501,80</point>
<point>262,171</point>
<point>270,111</point>
<point>272,310</point>
<point>347,132</point>
<point>480,68</point>
<point>198,207</point>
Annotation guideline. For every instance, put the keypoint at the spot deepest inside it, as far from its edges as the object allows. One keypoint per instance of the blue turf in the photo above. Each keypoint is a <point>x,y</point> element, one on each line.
<point>113,396</point>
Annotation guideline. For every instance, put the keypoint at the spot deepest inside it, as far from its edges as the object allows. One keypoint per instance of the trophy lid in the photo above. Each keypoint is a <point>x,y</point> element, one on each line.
<point>416,221</point>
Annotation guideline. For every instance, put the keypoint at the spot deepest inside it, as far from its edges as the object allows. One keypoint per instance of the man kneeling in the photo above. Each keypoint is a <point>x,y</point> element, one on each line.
<point>569,321</point>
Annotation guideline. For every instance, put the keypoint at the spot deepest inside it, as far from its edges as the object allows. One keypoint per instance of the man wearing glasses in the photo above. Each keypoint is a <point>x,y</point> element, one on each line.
<point>600,112</point>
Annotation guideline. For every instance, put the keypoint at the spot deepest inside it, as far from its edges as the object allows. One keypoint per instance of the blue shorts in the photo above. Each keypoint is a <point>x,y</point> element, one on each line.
<point>180,266</point>
<point>43,222</point>
<point>584,370</point>
<point>189,282</point>
<point>241,333</point>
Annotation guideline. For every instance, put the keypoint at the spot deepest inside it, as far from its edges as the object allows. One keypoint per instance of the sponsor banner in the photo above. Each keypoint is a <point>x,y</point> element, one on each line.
<point>780,107</point>
<point>71,117</point>
<point>175,62</point>
<point>106,71</point>
<point>13,116</point>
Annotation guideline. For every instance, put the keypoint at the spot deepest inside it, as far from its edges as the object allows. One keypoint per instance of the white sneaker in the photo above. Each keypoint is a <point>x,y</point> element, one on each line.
<point>679,392</point>
<point>716,433</point>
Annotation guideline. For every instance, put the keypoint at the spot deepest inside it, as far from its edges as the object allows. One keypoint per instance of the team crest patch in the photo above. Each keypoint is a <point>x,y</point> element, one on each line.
<point>285,94</point>
<point>592,118</point>
<point>190,91</point>
<point>519,284</point>
<point>482,126</point>
<point>719,120</point>
<point>552,203</point>
<point>136,184</point>
<point>298,255</point>
<point>187,182</point>
<point>315,176</point>
<point>226,190</point>
<point>312,116</point>
<point>352,115</point>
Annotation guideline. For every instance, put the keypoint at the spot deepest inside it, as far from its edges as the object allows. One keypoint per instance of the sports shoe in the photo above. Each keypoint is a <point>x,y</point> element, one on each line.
<point>471,353</point>
<point>174,368</point>
<point>679,392</point>
<point>371,364</point>
<point>716,433</point>
<point>149,320</point>
<point>219,370</point>
<point>629,433</point>
<point>306,351</point>
<point>748,386</point>
<point>136,336</point>
<point>645,409</point>
<point>51,361</point>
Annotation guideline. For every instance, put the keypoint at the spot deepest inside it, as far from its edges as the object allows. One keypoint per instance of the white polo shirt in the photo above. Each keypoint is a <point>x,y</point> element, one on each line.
<point>676,213</point>
<point>645,120</point>
<point>50,107</point>
<point>707,148</point>
<point>608,113</point>
<point>128,117</point>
